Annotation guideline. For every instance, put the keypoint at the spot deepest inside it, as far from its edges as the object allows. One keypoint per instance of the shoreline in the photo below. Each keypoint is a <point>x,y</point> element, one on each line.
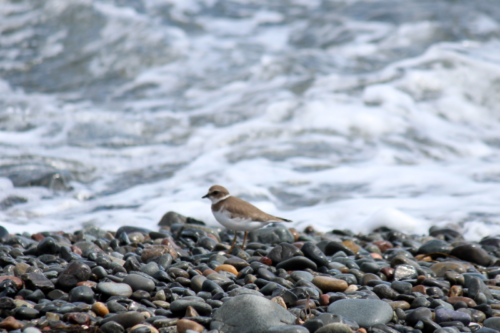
<point>179,278</point>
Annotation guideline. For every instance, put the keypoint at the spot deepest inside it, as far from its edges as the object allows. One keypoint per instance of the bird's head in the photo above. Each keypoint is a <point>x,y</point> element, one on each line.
<point>216,193</point>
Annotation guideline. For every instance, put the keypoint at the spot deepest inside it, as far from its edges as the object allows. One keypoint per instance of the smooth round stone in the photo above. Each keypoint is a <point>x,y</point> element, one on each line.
<point>250,313</point>
<point>327,284</point>
<point>302,275</point>
<point>197,282</point>
<point>31,330</point>
<point>443,314</point>
<point>100,309</point>
<point>188,326</point>
<point>369,277</point>
<point>335,328</point>
<point>181,305</point>
<point>314,253</point>
<point>420,302</point>
<point>334,247</point>
<point>399,304</point>
<point>75,272</point>
<point>384,291</point>
<point>4,234</point>
<point>287,329</point>
<point>112,327</point>
<point>138,282</point>
<point>366,312</point>
<point>226,268</point>
<point>469,302</point>
<point>434,246</point>
<point>297,263</point>
<point>282,252</point>
<point>150,268</point>
<point>417,315</point>
<point>473,253</point>
<point>81,294</point>
<point>402,287</point>
<point>486,330</point>
<point>441,268</point>
<point>48,246</point>
<point>114,289</point>
<point>26,313</point>
<point>493,322</point>
<point>404,272</point>
<point>126,319</point>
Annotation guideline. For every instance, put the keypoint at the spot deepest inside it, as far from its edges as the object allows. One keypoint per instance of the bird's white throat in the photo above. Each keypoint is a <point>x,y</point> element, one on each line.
<point>216,200</point>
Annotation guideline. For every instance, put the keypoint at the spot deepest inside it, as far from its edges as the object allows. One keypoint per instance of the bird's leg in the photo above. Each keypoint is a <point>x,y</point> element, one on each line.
<point>234,242</point>
<point>244,240</point>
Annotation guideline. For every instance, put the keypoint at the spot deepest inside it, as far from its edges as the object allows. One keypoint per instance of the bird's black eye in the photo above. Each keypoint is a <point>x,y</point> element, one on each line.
<point>215,192</point>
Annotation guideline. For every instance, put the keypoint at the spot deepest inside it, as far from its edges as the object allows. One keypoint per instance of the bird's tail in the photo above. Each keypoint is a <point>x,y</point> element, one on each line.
<point>285,220</point>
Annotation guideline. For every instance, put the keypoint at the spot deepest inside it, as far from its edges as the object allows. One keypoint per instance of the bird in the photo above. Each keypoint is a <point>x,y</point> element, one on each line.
<point>237,214</point>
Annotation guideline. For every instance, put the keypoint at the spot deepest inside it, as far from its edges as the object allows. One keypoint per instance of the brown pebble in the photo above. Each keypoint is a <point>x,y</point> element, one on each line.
<point>456,290</point>
<point>298,244</point>
<point>78,318</point>
<point>100,309</point>
<point>191,312</point>
<point>326,284</point>
<point>420,279</point>
<point>440,268</point>
<point>352,288</point>
<point>226,268</point>
<point>361,330</point>
<point>90,284</point>
<point>352,246</point>
<point>151,328</point>
<point>38,237</point>
<point>404,305</point>
<point>383,245</point>
<point>419,288</point>
<point>213,237</point>
<point>208,271</point>
<point>279,300</point>
<point>10,323</point>
<point>376,255</point>
<point>324,299</point>
<point>294,233</point>
<point>266,261</point>
<point>76,250</point>
<point>388,272</point>
<point>16,280</point>
<point>185,324</point>
<point>470,302</point>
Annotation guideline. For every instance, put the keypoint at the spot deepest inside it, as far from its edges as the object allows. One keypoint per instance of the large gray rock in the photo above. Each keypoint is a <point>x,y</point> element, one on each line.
<point>366,312</point>
<point>250,314</point>
<point>273,234</point>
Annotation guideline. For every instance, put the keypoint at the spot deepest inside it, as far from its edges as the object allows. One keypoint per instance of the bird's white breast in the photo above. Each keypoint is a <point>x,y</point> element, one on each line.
<point>238,224</point>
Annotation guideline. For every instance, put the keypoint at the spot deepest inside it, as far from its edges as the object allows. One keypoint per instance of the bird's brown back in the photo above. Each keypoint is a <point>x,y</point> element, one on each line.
<point>242,209</point>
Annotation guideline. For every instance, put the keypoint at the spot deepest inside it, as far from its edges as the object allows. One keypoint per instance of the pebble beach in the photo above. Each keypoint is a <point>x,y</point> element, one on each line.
<point>180,278</point>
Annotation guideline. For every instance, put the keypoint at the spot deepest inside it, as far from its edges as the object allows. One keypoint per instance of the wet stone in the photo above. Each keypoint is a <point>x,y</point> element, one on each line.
<point>329,284</point>
<point>272,234</point>
<point>366,312</point>
<point>250,313</point>
<point>112,327</point>
<point>126,320</point>
<point>297,263</point>
<point>417,315</point>
<point>473,253</point>
<point>313,252</point>
<point>282,252</point>
<point>114,289</point>
<point>35,281</point>
<point>137,282</point>
<point>435,246</point>
<point>404,272</point>
<point>72,274</point>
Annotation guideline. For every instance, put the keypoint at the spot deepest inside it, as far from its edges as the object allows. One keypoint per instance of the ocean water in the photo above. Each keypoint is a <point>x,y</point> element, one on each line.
<point>335,113</point>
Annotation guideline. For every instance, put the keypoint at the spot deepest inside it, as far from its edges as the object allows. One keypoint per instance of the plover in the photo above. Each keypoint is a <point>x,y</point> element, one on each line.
<point>237,214</point>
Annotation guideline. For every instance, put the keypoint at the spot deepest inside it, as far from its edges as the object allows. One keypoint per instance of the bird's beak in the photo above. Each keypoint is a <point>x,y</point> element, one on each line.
<point>205,196</point>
